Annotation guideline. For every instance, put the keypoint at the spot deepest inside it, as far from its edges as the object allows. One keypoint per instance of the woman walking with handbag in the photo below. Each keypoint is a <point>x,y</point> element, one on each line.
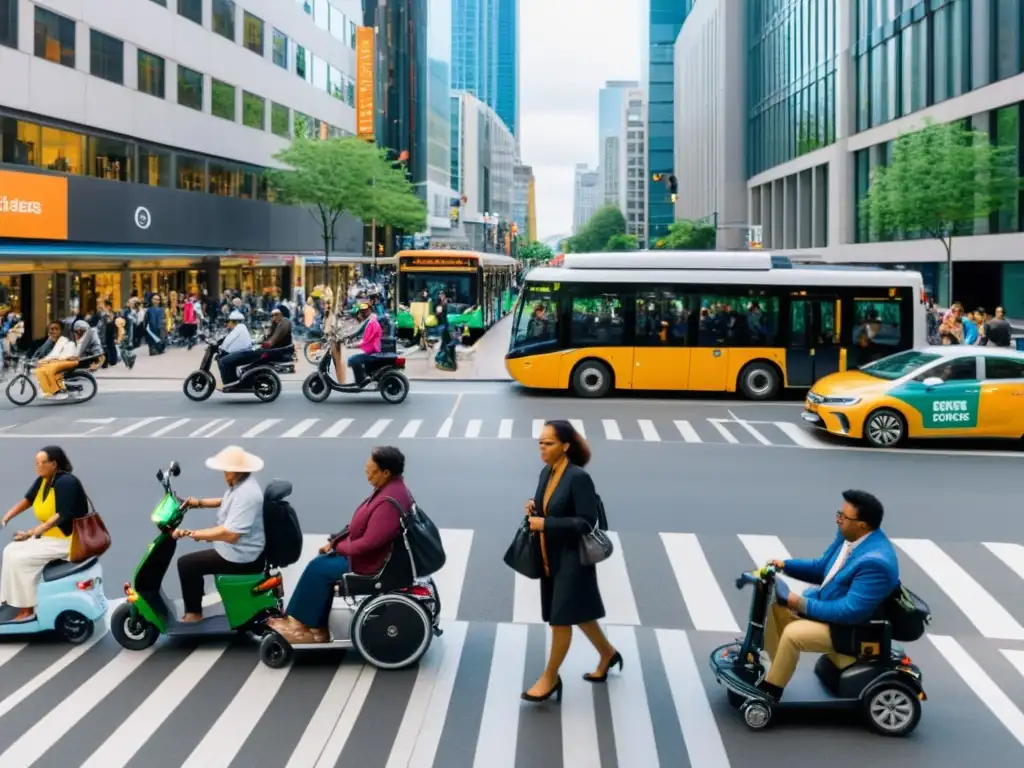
<point>57,498</point>
<point>565,509</point>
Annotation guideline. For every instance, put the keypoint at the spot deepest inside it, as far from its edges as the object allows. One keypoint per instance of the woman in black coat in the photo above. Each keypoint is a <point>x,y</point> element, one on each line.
<point>562,510</point>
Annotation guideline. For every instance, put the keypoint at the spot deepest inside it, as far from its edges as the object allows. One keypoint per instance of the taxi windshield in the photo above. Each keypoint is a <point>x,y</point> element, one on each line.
<point>899,365</point>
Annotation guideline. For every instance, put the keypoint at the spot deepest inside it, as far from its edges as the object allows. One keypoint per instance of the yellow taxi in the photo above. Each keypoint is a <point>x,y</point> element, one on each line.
<point>949,391</point>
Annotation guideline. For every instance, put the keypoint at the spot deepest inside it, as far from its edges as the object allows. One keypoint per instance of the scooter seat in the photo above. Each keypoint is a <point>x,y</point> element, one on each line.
<point>59,569</point>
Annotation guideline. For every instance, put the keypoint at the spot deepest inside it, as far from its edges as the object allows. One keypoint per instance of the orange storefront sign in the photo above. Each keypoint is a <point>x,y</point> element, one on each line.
<point>365,111</point>
<point>33,206</point>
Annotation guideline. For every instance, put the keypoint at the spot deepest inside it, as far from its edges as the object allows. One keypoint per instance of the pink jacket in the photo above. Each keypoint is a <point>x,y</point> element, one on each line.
<point>370,345</point>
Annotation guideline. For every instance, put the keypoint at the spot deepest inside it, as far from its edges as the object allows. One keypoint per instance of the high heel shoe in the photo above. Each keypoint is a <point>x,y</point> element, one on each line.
<point>556,692</point>
<point>592,677</point>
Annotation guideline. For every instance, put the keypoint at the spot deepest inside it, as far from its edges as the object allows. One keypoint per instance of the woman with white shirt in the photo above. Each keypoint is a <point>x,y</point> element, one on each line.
<point>238,538</point>
<point>61,357</point>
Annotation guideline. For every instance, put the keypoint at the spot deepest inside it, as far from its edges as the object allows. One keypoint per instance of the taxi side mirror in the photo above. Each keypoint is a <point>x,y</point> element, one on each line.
<point>933,381</point>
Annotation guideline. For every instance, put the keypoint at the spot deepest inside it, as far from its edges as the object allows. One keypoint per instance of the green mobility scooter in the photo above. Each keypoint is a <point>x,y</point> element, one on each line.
<point>248,600</point>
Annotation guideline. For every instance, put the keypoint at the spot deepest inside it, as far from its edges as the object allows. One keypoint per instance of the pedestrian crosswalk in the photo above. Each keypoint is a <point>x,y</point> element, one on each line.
<point>669,599</point>
<point>732,431</point>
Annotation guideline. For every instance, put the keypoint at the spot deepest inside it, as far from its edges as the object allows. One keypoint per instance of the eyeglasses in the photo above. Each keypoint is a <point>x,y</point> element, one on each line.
<point>847,518</point>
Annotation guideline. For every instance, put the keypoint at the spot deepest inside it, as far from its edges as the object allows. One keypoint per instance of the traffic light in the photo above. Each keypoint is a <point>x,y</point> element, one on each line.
<point>673,188</point>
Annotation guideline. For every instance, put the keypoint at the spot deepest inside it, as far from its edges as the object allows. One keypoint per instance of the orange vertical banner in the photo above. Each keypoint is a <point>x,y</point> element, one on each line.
<point>365,111</point>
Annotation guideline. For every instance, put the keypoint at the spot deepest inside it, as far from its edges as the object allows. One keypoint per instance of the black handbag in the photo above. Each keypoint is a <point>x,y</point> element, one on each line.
<point>523,555</point>
<point>908,614</point>
<point>422,540</point>
<point>595,546</point>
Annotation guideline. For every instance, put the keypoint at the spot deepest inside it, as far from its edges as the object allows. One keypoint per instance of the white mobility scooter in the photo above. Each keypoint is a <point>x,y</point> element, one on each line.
<point>70,602</point>
<point>390,617</point>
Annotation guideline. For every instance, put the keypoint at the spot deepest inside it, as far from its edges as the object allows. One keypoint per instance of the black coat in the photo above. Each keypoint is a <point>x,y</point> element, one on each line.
<point>570,595</point>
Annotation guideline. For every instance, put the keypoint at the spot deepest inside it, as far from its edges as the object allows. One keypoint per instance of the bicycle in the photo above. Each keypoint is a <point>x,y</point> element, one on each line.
<point>79,383</point>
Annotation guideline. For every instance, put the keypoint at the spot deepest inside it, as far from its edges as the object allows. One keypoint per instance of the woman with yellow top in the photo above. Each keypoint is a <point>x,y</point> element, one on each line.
<point>57,498</point>
<point>562,510</point>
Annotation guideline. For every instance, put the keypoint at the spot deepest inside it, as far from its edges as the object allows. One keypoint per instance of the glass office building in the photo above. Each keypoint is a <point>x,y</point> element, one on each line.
<point>485,54</point>
<point>506,95</point>
<point>665,19</point>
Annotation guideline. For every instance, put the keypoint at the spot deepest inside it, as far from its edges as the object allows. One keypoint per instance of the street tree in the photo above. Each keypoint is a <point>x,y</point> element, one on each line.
<point>597,231</point>
<point>685,235</point>
<point>621,242</point>
<point>535,252</point>
<point>941,178</point>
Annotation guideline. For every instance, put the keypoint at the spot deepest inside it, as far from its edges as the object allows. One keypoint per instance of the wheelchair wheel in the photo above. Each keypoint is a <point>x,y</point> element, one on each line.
<point>391,631</point>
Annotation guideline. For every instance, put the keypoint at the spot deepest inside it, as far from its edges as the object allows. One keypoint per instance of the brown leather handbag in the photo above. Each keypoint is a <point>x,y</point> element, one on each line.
<point>89,536</point>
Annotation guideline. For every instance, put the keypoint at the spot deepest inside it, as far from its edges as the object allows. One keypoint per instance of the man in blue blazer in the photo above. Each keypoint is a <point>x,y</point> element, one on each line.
<point>856,574</point>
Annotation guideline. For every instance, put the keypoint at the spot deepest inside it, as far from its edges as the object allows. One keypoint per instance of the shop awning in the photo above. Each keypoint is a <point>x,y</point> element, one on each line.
<point>117,253</point>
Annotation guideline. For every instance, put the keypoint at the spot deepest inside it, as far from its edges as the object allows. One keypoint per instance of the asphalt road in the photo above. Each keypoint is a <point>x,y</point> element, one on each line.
<point>686,517</point>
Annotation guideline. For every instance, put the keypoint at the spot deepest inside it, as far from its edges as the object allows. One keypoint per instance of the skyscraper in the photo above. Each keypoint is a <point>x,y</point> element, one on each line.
<point>485,54</point>
<point>610,102</point>
<point>506,97</point>
<point>586,198</point>
<point>662,21</point>
<point>632,156</point>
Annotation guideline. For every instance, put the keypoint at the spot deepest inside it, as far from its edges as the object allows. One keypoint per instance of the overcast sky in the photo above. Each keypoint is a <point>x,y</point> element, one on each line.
<point>567,50</point>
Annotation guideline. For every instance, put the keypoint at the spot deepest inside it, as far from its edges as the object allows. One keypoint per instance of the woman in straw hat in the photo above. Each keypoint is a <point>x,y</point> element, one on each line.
<point>238,537</point>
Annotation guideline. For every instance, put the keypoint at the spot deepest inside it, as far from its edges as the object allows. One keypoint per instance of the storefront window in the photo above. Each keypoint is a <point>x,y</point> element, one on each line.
<point>248,183</point>
<point>10,294</point>
<point>19,142</point>
<point>223,180</point>
<point>62,150</point>
<point>191,173</point>
<point>154,166</point>
<point>109,159</point>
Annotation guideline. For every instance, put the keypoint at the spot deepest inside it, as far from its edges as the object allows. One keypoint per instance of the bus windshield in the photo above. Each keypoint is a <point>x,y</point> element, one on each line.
<point>459,288</point>
<point>899,365</point>
<point>536,318</point>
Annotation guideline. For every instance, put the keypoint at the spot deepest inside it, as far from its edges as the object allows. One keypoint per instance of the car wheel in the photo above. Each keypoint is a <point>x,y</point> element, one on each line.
<point>884,428</point>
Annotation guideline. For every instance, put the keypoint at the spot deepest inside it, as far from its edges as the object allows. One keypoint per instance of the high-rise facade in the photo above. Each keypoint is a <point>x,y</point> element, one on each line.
<point>663,20</point>
<point>506,95</point>
<point>587,195</point>
<point>609,139</point>
<point>523,200</point>
<point>485,54</point>
<point>437,188</point>
<point>632,200</point>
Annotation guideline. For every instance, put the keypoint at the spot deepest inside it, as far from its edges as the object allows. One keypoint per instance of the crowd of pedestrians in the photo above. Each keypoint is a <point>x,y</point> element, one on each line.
<point>957,326</point>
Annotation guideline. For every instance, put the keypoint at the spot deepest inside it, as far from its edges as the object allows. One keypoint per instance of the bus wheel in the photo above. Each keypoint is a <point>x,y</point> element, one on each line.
<point>591,378</point>
<point>759,381</point>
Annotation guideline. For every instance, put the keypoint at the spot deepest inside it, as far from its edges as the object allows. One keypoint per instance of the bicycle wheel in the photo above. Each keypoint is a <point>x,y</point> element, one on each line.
<point>312,351</point>
<point>22,390</point>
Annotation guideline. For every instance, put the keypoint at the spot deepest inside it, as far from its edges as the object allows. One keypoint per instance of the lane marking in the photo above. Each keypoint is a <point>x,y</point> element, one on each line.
<point>446,429</point>
<point>299,428</point>
<point>717,424</point>
<point>611,429</point>
<point>473,428</point>
<point>505,429</point>
<point>202,430</point>
<point>647,429</point>
<point>536,428</point>
<point>701,592</point>
<point>496,739</point>
<point>688,433</point>
<point>378,428</point>
<point>136,426</point>
<point>336,428</point>
<point>227,423</point>
<point>260,428</point>
<point>170,427</point>
<point>750,429</point>
<point>410,429</point>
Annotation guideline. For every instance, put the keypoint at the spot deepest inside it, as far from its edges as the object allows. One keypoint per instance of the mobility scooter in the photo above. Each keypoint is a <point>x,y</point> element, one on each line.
<point>70,602</point>
<point>248,600</point>
<point>384,374</point>
<point>883,685</point>
<point>390,617</point>
<point>260,377</point>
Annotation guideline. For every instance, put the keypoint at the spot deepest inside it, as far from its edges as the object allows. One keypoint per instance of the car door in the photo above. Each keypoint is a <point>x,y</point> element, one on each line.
<point>1001,411</point>
<point>946,395</point>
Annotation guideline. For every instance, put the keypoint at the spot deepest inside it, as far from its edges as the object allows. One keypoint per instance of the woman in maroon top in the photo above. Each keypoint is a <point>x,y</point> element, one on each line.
<point>362,547</point>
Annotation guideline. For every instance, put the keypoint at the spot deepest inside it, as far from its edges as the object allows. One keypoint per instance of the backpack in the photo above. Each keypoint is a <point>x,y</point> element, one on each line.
<point>422,540</point>
<point>908,615</point>
<point>281,528</point>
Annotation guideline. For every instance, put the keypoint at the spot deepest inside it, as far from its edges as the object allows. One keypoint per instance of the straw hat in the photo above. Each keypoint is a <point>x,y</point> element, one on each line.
<point>235,459</point>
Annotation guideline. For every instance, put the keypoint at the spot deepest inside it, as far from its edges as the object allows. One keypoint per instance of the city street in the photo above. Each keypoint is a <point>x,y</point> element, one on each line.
<point>695,493</point>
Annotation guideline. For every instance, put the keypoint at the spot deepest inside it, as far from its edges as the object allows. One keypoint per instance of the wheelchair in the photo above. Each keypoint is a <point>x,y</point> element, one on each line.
<point>390,618</point>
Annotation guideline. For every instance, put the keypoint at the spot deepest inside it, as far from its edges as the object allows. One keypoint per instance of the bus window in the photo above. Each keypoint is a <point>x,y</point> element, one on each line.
<point>536,316</point>
<point>596,319</point>
<point>877,330</point>
<point>663,318</point>
<point>736,320</point>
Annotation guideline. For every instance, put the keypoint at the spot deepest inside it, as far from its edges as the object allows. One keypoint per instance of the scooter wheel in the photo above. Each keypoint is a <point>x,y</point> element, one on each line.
<point>757,716</point>
<point>393,387</point>
<point>315,388</point>
<point>198,386</point>
<point>132,632</point>
<point>73,627</point>
<point>275,651</point>
<point>892,709</point>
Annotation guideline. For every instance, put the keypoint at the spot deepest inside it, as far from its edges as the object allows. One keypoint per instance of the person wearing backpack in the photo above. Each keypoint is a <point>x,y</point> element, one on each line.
<point>362,547</point>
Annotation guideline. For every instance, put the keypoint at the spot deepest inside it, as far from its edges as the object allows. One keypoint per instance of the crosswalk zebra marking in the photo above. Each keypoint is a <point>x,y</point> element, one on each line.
<point>799,436</point>
<point>505,429</point>
<point>410,429</point>
<point>627,696</point>
<point>136,426</point>
<point>446,428</point>
<point>616,589</point>
<point>577,424</point>
<point>473,428</point>
<point>725,433</point>
<point>647,429</point>
<point>764,548</point>
<point>983,610</point>
<point>687,432</point>
<point>750,429</point>
<point>300,428</point>
<point>219,428</point>
<point>526,607</point>
<point>496,739</point>
<point>611,429</point>
<point>337,428</point>
<point>704,599</point>
<point>120,747</point>
<point>1016,658</point>
<point>450,580</point>
<point>346,720</point>
<point>536,428</point>
<point>580,744</point>
<point>262,427</point>
<point>329,711</point>
<point>201,431</point>
<point>1011,554</point>
<point>171,427</point>
<point>377,429</point>
<point>9,650</point>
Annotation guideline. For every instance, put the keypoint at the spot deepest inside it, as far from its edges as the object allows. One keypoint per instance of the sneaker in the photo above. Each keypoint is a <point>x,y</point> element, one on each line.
<point>61,396</point>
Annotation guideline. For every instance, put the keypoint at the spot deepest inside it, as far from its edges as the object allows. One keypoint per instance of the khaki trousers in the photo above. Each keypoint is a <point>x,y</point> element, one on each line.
<point>786,636</point>
<point>49,374</point>
<point>23,563</point>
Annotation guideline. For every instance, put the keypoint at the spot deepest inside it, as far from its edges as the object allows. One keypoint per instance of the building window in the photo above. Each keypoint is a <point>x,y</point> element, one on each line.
<point>279,120</point>
<point>223,180</point>
<point>1007,38</point>
<point>1007,126</point>
<point>108,159</point>
<point>160,2</point>
<point>252,36</point>
<point>280,49</point>
<point>338,25</point>
<point>253,111</point>
<point>55,38</point>
<point>62,151</point>
<point>9,23</point>
<point>191,173</point>
<point>303,128</point>
<point>321,16</point>
<point>222,100</point>
<point>154,166</point>
<point>224,18</point>
<point>303,63</point>
<point>191,10</point>
<point>106,57</point>
<point>190,88</point>
<point>335,85</point>
<point>152,79</point>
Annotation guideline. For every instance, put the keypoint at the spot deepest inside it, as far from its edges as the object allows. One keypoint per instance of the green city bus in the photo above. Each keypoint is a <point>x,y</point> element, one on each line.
<point>478,287</point>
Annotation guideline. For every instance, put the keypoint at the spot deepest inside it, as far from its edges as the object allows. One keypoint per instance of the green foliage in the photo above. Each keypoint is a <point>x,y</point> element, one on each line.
<point>941,178</point>
<point>346,175</point>
<point>621,242</point>
<point>808,137</point>
<point>599,229</point>
<point>684,235</point>
<point>535,251</point>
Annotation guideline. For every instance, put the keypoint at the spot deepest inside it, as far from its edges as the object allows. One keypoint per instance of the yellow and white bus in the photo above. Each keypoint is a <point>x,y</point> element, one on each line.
<point>706,321</point>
